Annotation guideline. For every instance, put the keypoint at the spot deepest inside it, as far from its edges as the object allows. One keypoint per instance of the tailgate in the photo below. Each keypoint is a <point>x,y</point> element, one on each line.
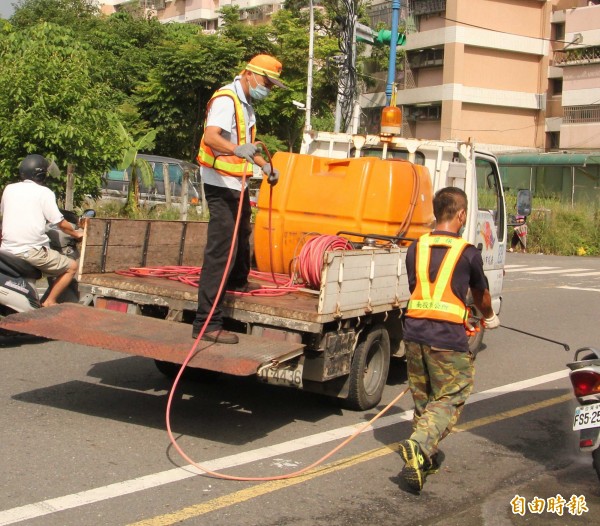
<point>149,337</point>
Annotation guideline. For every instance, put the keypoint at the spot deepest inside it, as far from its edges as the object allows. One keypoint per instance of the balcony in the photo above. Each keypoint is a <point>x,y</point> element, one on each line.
<point>581,114</point>
<point>423,112</point>
<point>427,58</point>
<point>426,7</point>
<point>577,57</point>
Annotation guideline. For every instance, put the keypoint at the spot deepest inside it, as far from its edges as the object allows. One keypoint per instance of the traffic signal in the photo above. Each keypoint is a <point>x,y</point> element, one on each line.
<point>384,38</point>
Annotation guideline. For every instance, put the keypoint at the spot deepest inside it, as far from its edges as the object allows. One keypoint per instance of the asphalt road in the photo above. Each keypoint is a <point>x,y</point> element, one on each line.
<point>83,434</point>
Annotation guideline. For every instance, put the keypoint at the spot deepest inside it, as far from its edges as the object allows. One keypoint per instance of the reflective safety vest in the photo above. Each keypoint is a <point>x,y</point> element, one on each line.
<point>441,304</point>
<point>228,164</point>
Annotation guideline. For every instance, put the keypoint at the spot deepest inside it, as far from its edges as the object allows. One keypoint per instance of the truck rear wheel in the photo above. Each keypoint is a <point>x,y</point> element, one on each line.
<point>369,370</point>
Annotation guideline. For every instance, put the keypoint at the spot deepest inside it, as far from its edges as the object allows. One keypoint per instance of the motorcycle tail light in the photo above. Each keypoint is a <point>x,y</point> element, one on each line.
<point>588,442</point>
<point>585,382</point>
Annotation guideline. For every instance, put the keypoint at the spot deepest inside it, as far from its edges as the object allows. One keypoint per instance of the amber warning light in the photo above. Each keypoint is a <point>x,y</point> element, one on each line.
<point>391,122</point>
<point>391,119</point>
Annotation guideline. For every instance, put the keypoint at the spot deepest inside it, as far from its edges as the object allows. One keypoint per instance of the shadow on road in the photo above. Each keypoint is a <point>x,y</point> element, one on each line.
<point>232,410</point>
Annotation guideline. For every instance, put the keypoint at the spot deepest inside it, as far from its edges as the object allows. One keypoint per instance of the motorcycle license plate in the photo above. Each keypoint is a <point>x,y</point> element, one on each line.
<point>586,416</point>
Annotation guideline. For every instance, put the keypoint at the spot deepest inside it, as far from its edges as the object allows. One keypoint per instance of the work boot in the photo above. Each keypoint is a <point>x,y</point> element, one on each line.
<point>246,287</point>
<point>434,465</point>
<point>412,474</point>
<point>218,336</point>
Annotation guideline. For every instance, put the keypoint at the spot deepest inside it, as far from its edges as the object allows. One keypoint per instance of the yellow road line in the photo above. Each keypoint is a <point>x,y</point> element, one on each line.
<point>512,413</point>
<point>261,489</point>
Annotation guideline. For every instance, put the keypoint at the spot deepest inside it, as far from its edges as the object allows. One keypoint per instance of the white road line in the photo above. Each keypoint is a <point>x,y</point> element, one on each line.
<point>578,288</point>
<point>528,269</point>
<point>514,266</point>
<point>584,274</point>
<point>558,271</point>
<point>46,507</point>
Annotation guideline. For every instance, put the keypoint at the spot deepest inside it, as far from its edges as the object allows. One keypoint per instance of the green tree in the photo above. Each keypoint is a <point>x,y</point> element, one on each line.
<point>49,105</point>
<point>125,47</point>
<point>188,69</point>
<point>277,115</point>
<point>62,12</point>
<point>253,40</point>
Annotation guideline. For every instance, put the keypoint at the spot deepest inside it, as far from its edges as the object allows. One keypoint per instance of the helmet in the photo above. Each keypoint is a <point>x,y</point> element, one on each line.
<point>36,168</point>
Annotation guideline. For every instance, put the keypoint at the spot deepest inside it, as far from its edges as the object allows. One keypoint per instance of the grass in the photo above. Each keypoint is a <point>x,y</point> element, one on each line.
<point>561,229</point>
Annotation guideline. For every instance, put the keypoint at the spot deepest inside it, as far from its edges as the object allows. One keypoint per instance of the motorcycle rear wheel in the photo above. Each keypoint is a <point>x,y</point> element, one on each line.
<point>596,463</point>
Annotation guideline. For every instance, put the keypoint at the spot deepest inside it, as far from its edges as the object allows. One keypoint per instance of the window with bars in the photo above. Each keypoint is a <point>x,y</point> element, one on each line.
<point>581,114</point>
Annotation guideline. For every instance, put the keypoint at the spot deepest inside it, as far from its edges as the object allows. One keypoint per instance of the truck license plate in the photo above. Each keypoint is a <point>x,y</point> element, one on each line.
<point>289,375</point>
<point>586,416</point>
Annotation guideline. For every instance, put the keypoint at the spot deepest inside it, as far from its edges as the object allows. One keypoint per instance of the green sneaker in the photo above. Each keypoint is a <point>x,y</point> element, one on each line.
<point>412,474</point>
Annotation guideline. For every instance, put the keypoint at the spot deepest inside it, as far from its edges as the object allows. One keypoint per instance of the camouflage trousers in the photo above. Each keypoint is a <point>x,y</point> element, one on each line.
<point>440,382</point>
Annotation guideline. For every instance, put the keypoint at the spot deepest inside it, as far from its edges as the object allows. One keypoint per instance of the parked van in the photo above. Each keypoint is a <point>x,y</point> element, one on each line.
<point>116,182</point>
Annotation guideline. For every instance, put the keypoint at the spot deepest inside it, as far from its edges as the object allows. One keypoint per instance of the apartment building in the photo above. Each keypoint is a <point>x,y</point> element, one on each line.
<point>573,111</point>
<point>204,13</point>
<point>514,75</point>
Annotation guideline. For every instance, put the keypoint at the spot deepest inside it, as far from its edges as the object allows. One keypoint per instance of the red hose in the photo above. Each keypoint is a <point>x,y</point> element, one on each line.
<point>310,264</point>
<point>308,268</point>
<point>310,261</point>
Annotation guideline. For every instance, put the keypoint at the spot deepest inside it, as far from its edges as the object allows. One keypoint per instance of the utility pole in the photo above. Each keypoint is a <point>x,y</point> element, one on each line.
<point>311,52</point>
<point>391,80</point>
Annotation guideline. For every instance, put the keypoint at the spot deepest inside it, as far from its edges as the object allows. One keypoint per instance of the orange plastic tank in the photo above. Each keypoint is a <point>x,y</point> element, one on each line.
<point>325,196</point>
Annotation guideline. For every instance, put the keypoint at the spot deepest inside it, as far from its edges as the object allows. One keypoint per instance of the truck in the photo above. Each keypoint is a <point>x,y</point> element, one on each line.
<point>337,338</point>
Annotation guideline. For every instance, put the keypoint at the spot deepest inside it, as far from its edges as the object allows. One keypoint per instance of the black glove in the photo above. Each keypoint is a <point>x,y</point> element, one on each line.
<point>272,173</point>
<point>246,151</point>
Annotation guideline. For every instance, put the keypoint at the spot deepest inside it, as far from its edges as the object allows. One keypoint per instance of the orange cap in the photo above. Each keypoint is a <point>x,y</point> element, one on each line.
<point>267,66</point>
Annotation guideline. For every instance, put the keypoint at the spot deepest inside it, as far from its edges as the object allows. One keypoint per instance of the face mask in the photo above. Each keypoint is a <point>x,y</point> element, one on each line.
<point>259,92</point>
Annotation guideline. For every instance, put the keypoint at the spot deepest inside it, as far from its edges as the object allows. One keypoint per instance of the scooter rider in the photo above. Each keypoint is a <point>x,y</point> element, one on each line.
<point>27,207</point>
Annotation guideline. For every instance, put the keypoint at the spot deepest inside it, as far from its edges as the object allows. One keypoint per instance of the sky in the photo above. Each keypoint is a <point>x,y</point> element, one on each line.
<point>6,9</point>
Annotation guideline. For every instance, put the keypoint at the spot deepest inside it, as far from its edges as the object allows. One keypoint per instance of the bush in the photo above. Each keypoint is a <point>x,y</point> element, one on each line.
<point>114,209</point>
<point>563,230</point>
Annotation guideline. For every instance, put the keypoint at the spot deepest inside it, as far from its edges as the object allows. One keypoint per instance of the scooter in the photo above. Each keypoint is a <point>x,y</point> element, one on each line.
<point>585,378</point>
<point>18,279</point>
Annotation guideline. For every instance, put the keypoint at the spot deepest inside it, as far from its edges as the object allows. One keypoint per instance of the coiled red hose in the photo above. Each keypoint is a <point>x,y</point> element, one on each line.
<point>310,260</point>
<point>308,268</point>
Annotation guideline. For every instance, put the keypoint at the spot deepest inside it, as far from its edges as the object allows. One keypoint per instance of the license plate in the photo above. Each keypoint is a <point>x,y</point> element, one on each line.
<point>586,416</point>
<point>289,375</point>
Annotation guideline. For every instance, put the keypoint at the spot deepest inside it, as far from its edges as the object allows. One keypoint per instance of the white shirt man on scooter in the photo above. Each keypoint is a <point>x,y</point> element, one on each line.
<point>27,207</point>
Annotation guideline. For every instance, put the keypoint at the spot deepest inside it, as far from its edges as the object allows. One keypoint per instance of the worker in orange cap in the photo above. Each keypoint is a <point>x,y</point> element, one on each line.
<point>227,152</point>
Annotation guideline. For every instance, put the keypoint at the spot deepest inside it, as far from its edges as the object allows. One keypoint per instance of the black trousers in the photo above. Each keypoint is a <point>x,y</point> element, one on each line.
<point>223,206</point>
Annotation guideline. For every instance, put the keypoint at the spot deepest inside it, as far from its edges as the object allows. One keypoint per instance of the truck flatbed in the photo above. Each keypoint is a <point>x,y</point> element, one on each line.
<point>306,339</point>
<point>149,337</point>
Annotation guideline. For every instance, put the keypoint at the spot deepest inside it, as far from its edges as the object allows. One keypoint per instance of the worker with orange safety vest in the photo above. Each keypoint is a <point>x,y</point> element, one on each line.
<point>226,154</point>
<point>441,268</point>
